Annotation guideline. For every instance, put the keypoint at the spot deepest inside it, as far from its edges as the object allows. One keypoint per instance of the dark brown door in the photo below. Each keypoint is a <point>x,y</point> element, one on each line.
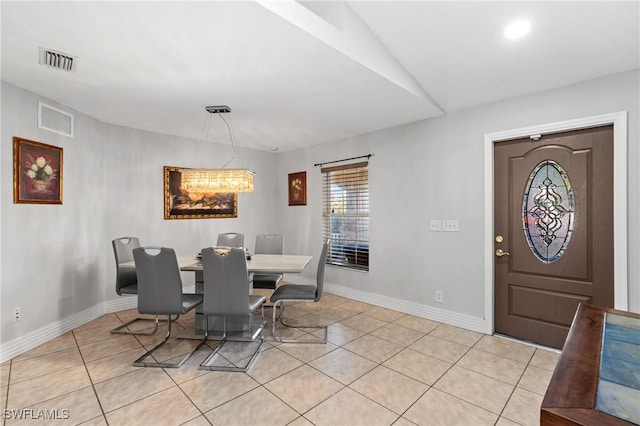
<point>554,217</point>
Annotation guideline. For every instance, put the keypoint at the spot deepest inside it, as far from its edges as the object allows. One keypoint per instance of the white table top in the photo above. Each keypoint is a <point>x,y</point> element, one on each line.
<point>262,263</point>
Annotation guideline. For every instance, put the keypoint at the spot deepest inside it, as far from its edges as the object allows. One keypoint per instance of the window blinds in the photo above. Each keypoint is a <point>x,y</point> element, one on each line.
<point>345,215</point>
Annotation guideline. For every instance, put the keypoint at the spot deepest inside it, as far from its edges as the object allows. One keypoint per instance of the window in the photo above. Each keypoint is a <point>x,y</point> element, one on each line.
<point>345,215</point>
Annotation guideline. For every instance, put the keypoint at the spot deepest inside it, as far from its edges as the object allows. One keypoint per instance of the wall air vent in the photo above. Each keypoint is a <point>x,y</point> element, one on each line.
<point>55,120</point>
<point>58,60</point>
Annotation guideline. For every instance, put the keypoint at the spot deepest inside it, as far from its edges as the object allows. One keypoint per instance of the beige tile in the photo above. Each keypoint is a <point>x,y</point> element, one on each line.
<point>198,421</point>
<point>128,388</point>
<point>70,409</point>
<point>273,363</point>
<point>97,421</point>
<point>94,334</point>
<point>335,314</point>
<point>3,397</point>
<point>524,408</point>
<point>397,334</point>
<point>535,379</point>
<point>420,324</point>
<point>304,388</point>
<point>169,407</point>
<point>45,364</point>
<point>105,348</point>
<point>348,407</point>
<point>300,421</point>
<point>418,366</point>
<point>403,422</point>
<point>506,422</point>
<point>505,348</point>
<point>390,389</point>
<point>339,334</point>
<point>438,408</point>
<point>342,365</point>
<point>374,348</point>
<point>60,343</point>
<point>217,387</point>
<point>4,374</point>
<point>384,314</point>
<point>106,320</point>
<point>306,352</point>
<point>504,369</point>
<point>174,350</point>
<point>363,322</point>
<point>264,409</point>
<point>113,366</point>
<point>189,370</point>
<point>545,359</point>
<point>456,335</point>
<point>356,306</point>
<point>480,390</point>
<point>33,391</point>
<point>332,299</point>
<point>439,348</point>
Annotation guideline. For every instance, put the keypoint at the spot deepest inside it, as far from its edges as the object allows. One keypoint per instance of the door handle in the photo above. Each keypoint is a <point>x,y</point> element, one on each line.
<point>501,253</point>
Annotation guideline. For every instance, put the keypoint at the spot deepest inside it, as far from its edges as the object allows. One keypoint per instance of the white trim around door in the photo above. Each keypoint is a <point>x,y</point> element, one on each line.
<point>619,121</point>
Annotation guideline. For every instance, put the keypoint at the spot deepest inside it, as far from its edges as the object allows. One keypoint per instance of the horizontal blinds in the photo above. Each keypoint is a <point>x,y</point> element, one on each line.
<point>346,214</point>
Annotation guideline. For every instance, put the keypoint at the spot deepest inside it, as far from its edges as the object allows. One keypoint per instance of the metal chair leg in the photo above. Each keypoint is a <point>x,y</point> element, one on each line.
<point>281,319</point>
<point>206,363</point>
<point>141,363</point>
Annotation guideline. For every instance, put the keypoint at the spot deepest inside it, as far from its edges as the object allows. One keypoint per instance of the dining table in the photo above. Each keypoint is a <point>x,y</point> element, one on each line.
<point>237,329</point>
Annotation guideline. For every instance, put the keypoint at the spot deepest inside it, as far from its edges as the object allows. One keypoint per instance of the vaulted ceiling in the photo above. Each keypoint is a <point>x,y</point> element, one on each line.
<point>302,73</point>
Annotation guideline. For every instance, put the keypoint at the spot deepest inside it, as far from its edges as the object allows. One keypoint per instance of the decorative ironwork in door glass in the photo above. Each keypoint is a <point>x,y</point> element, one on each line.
<point>547,211</point>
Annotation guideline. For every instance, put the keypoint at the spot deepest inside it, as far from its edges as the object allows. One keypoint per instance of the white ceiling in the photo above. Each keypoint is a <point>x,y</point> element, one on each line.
<point>302,73</point>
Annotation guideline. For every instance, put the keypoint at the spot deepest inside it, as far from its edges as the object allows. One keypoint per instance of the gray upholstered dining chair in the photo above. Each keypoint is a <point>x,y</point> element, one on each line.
<point>296,293</point>
<point>230,239</point>
<point>226,296</point>
<point>268,244</point>
<point>127,282</point>
<point>160,293</point>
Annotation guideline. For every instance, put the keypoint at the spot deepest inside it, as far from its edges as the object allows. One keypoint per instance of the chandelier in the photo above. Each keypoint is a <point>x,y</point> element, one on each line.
<point>212,181</point>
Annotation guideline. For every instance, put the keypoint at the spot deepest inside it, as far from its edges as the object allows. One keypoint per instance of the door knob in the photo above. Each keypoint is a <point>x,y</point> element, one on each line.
<point>501,253</point>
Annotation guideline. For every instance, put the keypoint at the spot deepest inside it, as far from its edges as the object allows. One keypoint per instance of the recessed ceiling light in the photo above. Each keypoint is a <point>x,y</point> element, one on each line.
<point>517,29</point>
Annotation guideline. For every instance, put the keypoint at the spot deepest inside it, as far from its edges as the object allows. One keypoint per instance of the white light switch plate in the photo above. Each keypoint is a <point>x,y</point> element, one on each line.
<point>436,225</point>
<point>450,225</point>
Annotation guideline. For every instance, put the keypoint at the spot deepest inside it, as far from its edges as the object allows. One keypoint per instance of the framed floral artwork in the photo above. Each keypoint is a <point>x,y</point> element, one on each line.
<point>298,189</point>
<point>37,172</point>
<point>180,204</point>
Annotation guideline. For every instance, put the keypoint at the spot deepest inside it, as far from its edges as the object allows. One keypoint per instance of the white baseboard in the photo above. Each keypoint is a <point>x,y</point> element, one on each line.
<point>424,311</point>
<point>35,338</point>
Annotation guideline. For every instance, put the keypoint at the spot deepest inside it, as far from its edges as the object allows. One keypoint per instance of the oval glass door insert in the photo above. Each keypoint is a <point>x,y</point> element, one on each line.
<point>547,211</point>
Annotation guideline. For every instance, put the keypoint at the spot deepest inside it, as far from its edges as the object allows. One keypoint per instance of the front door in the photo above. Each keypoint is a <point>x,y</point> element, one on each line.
<point>553,246</point>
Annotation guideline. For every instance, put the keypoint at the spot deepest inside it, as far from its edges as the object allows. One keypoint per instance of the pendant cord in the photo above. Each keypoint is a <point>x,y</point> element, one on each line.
<point>233,144</point>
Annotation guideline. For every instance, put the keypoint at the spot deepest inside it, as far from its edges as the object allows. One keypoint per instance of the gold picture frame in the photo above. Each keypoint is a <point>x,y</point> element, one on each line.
<point>37,172</point>
<point>298,189</point>
<point>179,204</point>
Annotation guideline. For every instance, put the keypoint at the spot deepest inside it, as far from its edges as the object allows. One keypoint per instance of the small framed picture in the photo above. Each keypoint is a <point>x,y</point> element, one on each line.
<point>37,172</point>
<point>298,189</point>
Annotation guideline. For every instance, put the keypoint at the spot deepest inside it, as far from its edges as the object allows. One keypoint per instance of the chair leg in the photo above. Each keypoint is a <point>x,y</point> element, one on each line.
<point>141,363</point>
<point>282,321</point>
<point>122,329</point>
<point>206,364</point>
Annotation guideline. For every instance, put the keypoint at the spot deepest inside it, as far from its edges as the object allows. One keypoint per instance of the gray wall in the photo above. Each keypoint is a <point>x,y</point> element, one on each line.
<point>57,259</point>
<point>433,169</point>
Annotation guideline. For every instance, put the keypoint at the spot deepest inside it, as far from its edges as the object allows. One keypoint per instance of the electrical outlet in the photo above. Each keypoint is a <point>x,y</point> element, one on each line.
<point>450,225</point>
<point>17,314</point>
<point>438,296</point>
<point>436,225</point>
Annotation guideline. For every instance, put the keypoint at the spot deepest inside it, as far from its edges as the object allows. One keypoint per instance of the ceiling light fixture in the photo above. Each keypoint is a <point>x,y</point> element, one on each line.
<point>517,29</point>
<point>215,181</point>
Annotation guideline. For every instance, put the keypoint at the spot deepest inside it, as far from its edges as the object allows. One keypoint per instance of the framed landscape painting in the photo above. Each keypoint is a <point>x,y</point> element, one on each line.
<point>37,172</point>
<point>180,204</point>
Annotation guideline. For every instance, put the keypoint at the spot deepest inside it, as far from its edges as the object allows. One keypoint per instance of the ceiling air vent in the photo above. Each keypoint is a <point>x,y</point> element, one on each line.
<point>58,60</point>
<point>55,120</point>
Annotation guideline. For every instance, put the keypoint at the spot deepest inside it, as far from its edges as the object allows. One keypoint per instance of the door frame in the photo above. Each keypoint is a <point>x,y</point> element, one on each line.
<point>619,121</point>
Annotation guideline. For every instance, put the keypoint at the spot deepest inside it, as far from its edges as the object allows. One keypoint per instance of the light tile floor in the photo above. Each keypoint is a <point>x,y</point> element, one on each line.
<point>380,367</point>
